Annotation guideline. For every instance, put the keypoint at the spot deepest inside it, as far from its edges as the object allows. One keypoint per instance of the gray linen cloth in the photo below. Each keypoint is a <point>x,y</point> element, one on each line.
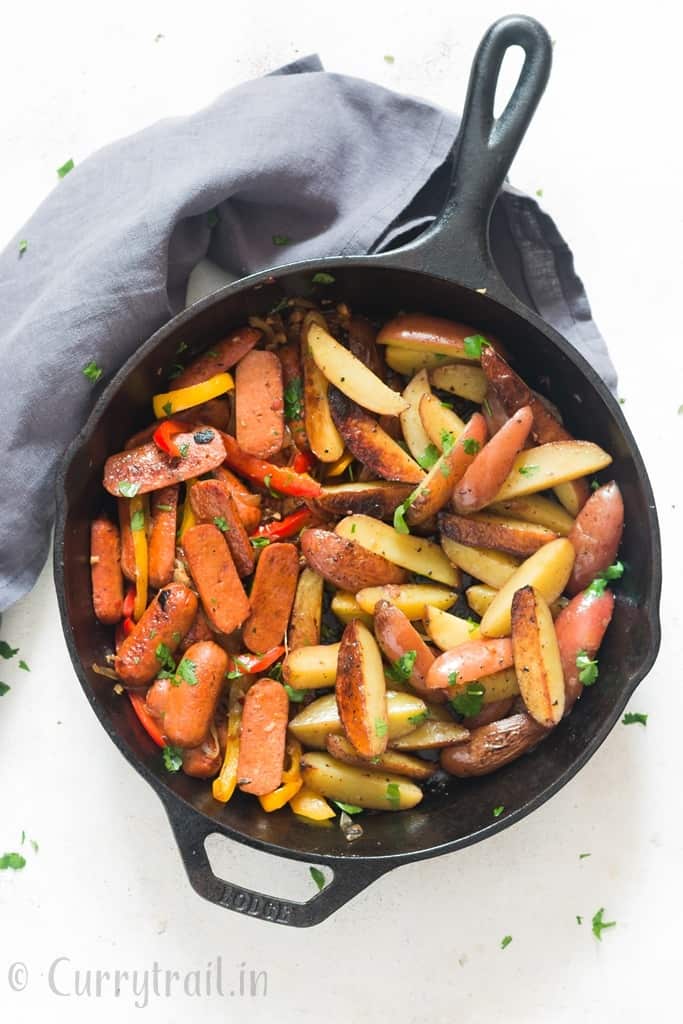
<point>339,165</point>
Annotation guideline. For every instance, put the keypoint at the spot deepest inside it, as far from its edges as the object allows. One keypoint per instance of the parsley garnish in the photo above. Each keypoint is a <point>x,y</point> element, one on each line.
<point>472,624</point>
<point>259,542</point>
<point>173,759</point>
<point>579,919</point>
<point>402,669</point>
<point>394,795</point>
<point>166,659</point>
<point>65,168</point>
<point>539,191</point>
<point>588,669</point>
<point>599,925</point>
<point>318,878</point>
<point>429,457</point>
<point>388,59</point>
<point>474,345</point>
<point>497,811</point>
<point>222,523</point>
<point>612,572</point>
<point>634,718</point>
<point>167,408</point>
<point>400,524</point>
<point>282,240</point>
<point>184,449</point>
<point>127,489</point>
<point>447,441</point>
<point>381,727</point>
<point>182,347</point>
<point>470,701</point>
<point>282,304</point>
<point>486,406</point>
<point>92,371</point>
<point>4,688</point>
<point>23,246</point>
<point>12,860</point>
<point>505,941</point>
<point>6,651</point>
<point>582,856</point>
<point>348,808</point>
<point>175,371</point>
<point>187,670</point>
<point>137,520</point>
<point>294,399</point>
<point>296,696</point>
<point>527,470</point>
<point>594,485</point>
<point>323,278</point>
<point>470,445</point>
<point>418,719</point>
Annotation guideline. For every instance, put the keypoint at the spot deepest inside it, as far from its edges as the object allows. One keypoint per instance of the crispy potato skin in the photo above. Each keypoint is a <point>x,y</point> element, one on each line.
<point>491,747</point>
<point>352,785</point>
<point>537,657</point>
<point>370,444</point>
<point>378,499</point>
<point>345,563</point>
<point>596,535</point>
<point>436,489</point>
<point>396,636</point>
<point>360,690</point>
<point>496,533</point>
<point>432,333</point>
<point>513,394</point>
<point>581,626</point>
<point>491,466</point>
<point>489,713</point>
<point>304,623</point>
<point>390,761</point>
<point>469,662</point>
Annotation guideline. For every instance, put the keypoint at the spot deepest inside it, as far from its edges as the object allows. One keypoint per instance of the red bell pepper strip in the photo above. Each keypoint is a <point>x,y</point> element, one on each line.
<point>253,664</point>
<point>146,721</point>
<point>164,434</point>
<point>278,478</point>
<point>278,529</point>
<point>129,602</point>
<point>303,461</point>
<point>124,628</point>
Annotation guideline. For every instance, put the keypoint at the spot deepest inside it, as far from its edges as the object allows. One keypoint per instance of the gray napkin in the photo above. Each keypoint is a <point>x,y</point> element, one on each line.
<point>337,164</point>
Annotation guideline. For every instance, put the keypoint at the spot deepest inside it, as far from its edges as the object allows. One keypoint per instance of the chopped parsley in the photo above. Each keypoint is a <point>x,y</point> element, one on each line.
<point>588,669</point>
<point>282,304</point>
<point>594,485</point>
<point>164,508</point>
<point>92,371</point>
<point>612,572</point>
<point>402,669</point>
<point>527,470</point>
<point>187,670</point>
<point>6,651</point>
<point>497,811</point>
<point>222,523</point>
<point>388,59</point>
<point>294,399</point>
<point>429,457</point>
<point>173,759</point>
<point>505,941</point>
<point>419,719</point>
<point>348,808</point>
<point>579,919</point>
<point>296,696</point>
<point>400,524</point>
<point>175,371</point>
<point>381,727</point>
<point>166,659</point>
<point>259,542</point>
<point>447,441</point>
<point>318,878</point>
<point>445,469</point>
<point>470,701</point>
<point>486,406</point>
<point>472,624</point>
<point>470,445</point>
<point>634,718</point>
<point>354,527</point>
<point>15,861</point>
<point>182,347</point>
<point>184,449</point>
<point>394,795</point>
<point>539,191</point>
<point>4,688</point>
<point>137,520</point>
<point>23,246</point>
<point>282,240</point>
<point>128,489</point>
<point>474,344</point>
<point>599,925</point>
<point>65,168</point>
<point>167,408</point>
<point>582,856</point>
<point>323,278</point>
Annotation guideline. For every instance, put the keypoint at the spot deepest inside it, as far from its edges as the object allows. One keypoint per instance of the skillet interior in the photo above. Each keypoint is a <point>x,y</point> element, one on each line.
<point>457,813</point>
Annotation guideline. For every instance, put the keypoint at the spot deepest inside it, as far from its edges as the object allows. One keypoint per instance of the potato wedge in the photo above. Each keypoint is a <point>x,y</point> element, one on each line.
<point>345,606</point>
<point>514,393</point>
<point>347,563</point>
<point>436,489</point>
<point>411,423</point>
<point>596,535</point>
<point>397,637</point>
<point>491,466</point>
<point>377,791</point>
<point>369,443</point>
<point>491,747</point>
<point>498,686</point>
<point>362,341</point>
<point>351,376</point>
<point>304,622</point>
<point>482,530</point>
<point>314,722</point>
<point>548,571</point>
<point>401,549</point>
<point>361,691</point>
<point>432,735</point>
<point>467,663</point>
<point>390,761</point>
<point>580,628</point>
<point>536,509</point>
<point>480,597</point>
<point>466,381</point>
<point>411,598</point>
<point>308,668</point>
<point>446,630</point>
<point>376,498</point>
<point>428,334</point>
<point>408,361</point>
<point>538,469</point>
<point>322,434</point>
<point>491,567</point>
<point>440,424</point>
<point>537,657</point>
<point>573,495</point>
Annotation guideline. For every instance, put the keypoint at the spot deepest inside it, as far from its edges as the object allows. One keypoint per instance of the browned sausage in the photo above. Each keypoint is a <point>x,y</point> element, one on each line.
<point>164,514</point>
<point>214,413</point>
<point>157,698</point>
<point>259,404</point>
<point>193,697</point>
<point>149,469</point>
<point>164,622</point>
<point>223,598</point>
<point>272,597</point>
<point>492,746</point>
<point>293,382</point>
<point>212,503</point>
<point>248,504</point>
<point>262,742</point>
<point>220,357</point>
<point>204,761</point>
<point>105,571</point>
<point>127,549</point>
<point>199,630</point>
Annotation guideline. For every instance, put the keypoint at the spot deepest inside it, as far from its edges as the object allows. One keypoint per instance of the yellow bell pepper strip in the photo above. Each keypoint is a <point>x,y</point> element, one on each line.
<point>342,463</point>
<point>311,805</point>
<point>291,781</point>
<point>224,785</point>
<point>189,519</point>
<point>139,519</point>
<point>171,402</point>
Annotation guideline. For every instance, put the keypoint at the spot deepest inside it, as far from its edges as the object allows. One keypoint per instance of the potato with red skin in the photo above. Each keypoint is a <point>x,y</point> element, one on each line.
<point>435,491</point>
<point>347,564</point>
<point>468,662</point>
<point>489,713</point>
<point>491,467</point>
<point>581,626</point>
<point>596,536</point>
<point>491,747</point>
<point>397,636</point>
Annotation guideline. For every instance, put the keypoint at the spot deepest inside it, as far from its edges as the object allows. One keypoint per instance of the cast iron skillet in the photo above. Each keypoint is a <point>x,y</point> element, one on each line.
<point>443,272</point>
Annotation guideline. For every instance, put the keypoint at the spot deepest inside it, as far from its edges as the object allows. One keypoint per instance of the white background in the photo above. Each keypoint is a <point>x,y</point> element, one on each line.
<point>107,888</point>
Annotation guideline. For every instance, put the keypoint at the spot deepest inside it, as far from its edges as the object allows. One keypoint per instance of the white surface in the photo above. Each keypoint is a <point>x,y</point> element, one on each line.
<point>107,888</point>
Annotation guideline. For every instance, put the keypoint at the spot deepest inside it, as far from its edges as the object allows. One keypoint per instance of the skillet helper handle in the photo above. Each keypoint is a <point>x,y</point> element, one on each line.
<point>457,245</point>
<point>191,831</point>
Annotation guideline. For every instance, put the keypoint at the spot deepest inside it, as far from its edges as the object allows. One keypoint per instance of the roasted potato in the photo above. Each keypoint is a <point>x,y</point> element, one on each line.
<point>448,630</point>
<point>548,570</point>
<point>573,495</point>
<point>397,637</point>
<point>346,562</point>
<point>490,467</point>
<point>402,549</point>
<point>414,433</point>
<point>440,424</point>
<point>411,598</point>
<point>466,381</point>
<point>345,606</point>
<point>437,730</point>
<point>350,375</point>
<point>435,491</point>
<point>537,469</point>
<point>308,668</point>
<point>408,361</point>
<point>467,663</point>
<point>482,530</point>
<point>377,791</point>
<point>491,567</point>
<point>304,622</point>
<point>580,628</point>
<point>369,443</point>
<point>596,535</point>
<point>390,761</point>
<point>537,657</point>
<point>313,723</point>
<point>428,334</point>
<point>480,597</point>
<point>361,691</point>
<point>536,509</point>
<point>491,747</point>
<point>377,498</point>
<point>322,434</point>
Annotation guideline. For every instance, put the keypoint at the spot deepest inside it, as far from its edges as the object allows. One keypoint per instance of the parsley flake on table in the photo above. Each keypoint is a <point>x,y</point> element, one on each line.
<point>92,371</point>
<point>23,246</point>
<point>599,925</point>
<point>15,861</point>
<point>634,718</point>
<point>588,668</point>
<point>582,856</point>
<point>6,651</point>
<point>173,759</point>
<point>497,811</point>
<point>402,669</point>
<point>470,445</point>
<point>579,919</point>
<point>474,344</point>
<point>323,278</point>
<point>282,240</point>
<point>65,168</point>
<point>429,457</point>
<point>680,410</point>
<point>388,59</point>
<point>318,878</point>
<point>505,941</point>
<point>470,701</point>
<point>22,664</point>
<point>348,808</point>
<point>4,688</point>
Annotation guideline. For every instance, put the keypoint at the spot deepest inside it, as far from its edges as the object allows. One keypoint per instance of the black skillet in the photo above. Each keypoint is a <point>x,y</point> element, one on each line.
<point>448,271</point>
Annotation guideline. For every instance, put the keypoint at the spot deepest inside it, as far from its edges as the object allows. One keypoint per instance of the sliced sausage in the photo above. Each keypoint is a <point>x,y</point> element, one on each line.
<point>272,597</point>
<point>262,742</point>
<point>259,404</point>
<point>248,504</point>
<point>210,563</point>
<point>212,503</point>
<point>105,571</point>
<point>165,621</point>
<point>199,630</point>
<point>149,469</point>
<point>164,515</point>
<point>219,358</point>
<point>195,692</point>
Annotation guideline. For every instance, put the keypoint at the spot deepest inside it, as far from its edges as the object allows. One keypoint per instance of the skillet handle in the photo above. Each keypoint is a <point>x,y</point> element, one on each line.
<point>191,831</point>
<point>457,244</point>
